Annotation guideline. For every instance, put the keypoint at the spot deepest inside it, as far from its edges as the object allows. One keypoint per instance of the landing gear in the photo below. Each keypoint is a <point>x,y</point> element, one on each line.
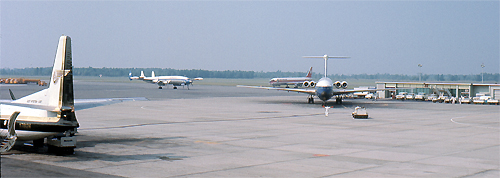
<point>338,100</point>
<point>310,99</point>
<point>175,87</point>
<point>159,87</point>
<point>39,143</point>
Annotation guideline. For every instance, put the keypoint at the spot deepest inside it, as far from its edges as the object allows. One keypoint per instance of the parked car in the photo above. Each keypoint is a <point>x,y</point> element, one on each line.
<point>465,100</point>
<point>432,97</point>
<point>371,96</point>
<point>401,96</point>
<point>421,96</point>
<point>410,96</point>
<point>492,101</point>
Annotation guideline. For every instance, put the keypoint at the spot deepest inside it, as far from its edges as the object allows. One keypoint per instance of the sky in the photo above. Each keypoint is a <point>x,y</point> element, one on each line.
<point>446,37</point>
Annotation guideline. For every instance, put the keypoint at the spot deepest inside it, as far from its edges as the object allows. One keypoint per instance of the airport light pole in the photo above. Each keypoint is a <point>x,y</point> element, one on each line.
<point>482,72</point>
<point>420,74</point>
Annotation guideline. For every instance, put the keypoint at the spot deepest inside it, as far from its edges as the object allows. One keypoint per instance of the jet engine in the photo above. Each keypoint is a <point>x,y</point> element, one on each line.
<point>312,84</point>
<point>309,84</point>
<point>343,84</point>
<point>305,84</point>
<point>337,84</point>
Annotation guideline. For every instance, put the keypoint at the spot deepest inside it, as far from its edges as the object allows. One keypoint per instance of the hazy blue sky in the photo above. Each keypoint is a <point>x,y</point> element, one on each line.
<point>379,36</point>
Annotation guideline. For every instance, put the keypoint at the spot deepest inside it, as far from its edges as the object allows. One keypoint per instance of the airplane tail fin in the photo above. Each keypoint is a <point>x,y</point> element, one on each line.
<point>59,95</point>
<point>152,73</point>
<point>132,77</point>
<point>142,75</point>
<point>309,74</point>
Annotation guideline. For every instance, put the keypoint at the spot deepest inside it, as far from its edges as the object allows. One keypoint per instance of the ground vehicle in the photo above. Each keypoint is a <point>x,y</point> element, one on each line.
<point>371,96</point>
<point>410,96</point>
<point>421,96</point>
<point>401,96</point>
<point>466,100</point>
<point>432,97</point>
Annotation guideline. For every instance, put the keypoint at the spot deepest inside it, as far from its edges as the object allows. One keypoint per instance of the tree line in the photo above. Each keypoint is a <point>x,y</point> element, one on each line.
<point>233,74</point>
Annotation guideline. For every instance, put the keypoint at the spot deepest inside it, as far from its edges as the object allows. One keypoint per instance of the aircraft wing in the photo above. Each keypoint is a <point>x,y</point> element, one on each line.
<point>340,92</point>
<point>90,103</point>
<point>300,90</point>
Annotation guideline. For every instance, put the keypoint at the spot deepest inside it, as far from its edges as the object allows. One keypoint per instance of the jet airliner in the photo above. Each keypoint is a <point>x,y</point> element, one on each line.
<point>325,89</point>
<point>295,81</point>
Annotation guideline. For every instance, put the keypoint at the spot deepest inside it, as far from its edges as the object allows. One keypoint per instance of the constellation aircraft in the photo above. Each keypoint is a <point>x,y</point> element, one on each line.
<point>295,81</point>
<point>48,113</point>
<point>164,80</point>
<point>325,89</point>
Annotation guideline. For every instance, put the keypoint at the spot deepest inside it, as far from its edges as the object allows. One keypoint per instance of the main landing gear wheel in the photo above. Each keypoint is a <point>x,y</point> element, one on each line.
<point>160,87</point>
<point>310,100</point>
<point>338,100</point>
<point>38,143</point>
<point>175,88</point>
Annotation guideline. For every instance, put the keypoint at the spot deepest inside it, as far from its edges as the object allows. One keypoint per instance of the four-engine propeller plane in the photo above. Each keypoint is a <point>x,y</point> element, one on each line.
<point>325,89</point>
<point>165,80</point>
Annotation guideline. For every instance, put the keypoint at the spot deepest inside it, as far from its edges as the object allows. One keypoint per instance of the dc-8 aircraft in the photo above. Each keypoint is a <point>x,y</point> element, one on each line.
<point>295,81</point>
<point>49,113</point>
<point>325,89</point>
<point>165,80</point>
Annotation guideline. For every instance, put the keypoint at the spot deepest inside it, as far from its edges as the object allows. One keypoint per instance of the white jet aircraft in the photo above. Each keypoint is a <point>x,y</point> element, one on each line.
<point>324,89</point>
<point>165,80</point>
<point>48,113</point>
<point>295,81</point>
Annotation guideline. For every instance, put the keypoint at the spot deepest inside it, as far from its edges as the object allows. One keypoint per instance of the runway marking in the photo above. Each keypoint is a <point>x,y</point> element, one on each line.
<point>320,155</point>
<point>466,124</point>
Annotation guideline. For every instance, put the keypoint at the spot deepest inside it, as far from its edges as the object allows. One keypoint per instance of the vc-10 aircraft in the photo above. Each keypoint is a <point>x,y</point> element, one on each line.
<point>164,80</point>
<point>295,81</point>
<point>49,113</point>
<point>324,89</point>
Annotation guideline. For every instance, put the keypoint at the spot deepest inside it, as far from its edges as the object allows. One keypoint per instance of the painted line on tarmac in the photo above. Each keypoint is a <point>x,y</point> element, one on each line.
<point>466,124</point>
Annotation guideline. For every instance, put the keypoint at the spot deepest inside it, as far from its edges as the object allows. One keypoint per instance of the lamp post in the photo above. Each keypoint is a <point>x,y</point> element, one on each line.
<point>420,74</point>
<point>482,72</point>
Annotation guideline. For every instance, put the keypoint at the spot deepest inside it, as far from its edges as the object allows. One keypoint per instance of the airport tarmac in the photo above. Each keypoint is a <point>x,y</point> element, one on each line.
<point>225,131</point>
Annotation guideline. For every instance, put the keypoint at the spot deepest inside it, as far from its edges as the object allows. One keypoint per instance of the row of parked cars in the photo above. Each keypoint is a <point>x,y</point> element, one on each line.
<point>479,99</point>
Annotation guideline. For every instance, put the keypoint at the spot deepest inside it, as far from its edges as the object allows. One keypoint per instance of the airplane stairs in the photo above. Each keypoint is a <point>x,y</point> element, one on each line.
<point>11,138</point>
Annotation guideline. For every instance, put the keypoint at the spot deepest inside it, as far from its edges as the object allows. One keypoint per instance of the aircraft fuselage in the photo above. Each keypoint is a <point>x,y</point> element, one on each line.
<point>324,89</point>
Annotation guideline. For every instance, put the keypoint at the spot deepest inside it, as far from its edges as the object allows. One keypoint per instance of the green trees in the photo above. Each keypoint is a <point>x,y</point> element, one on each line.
<point>123,72</point>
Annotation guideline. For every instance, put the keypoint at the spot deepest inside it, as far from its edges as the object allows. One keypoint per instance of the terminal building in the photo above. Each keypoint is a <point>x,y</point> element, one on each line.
<point>456,90</point>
